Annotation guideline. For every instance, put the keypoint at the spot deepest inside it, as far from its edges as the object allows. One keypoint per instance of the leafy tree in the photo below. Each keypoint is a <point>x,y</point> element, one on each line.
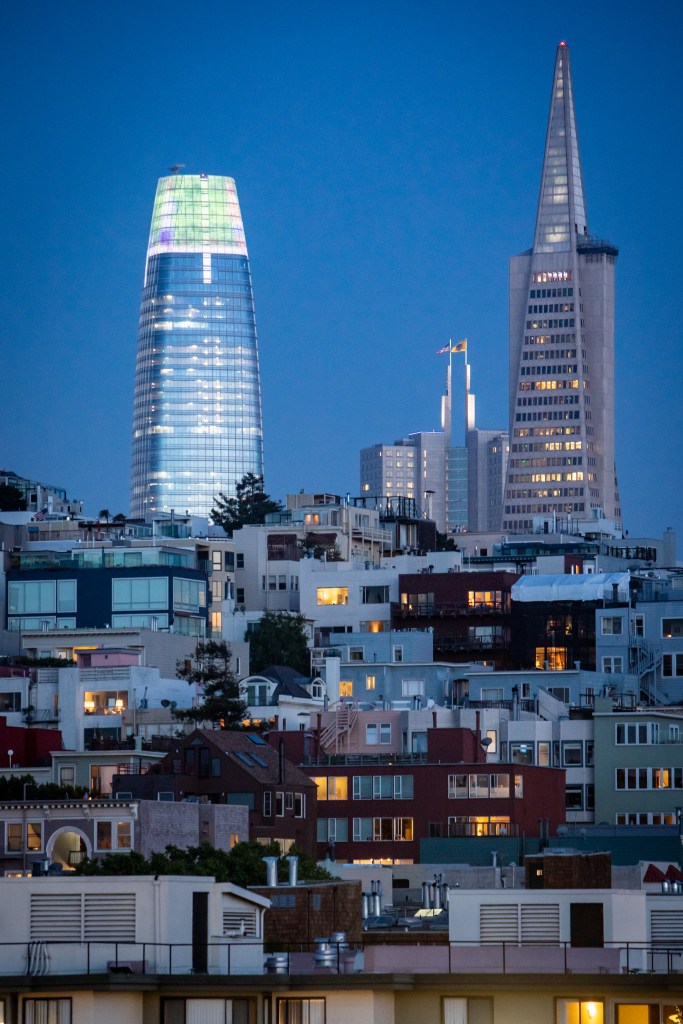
<point>104,513</point>
<point>210,670</point>
<point>11,499</point>
<point>242,865</point>
<point>119,518</point>
<point>279,638</point>
<point>445,543</point>
<point>12,788</point>
<point>250,506</point>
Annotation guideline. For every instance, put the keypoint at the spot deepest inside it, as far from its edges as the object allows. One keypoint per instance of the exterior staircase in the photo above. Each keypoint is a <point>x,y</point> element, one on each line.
<point>334,738</point>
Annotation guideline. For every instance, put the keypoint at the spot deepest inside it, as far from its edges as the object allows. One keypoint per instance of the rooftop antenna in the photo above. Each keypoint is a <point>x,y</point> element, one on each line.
<point>176,168</point>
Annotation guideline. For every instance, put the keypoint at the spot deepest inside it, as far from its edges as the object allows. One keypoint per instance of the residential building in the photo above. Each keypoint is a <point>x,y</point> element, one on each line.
<point>642,645</point>
<point>103,696</point>
<point>390,469</point>
<point>553,617</point>
<point>64,832</point>
<point>197,427</point>
<point>640,753</point>
<point>158,588</point>
<point>44,499</point>
<point>376,804</point>
<point>224,766</point>
<point>133,925</point>
<point>561,344</point>
<point>412,467</point>
<point>321,528</point>
<point>280,697</point>
<point>469,613</point>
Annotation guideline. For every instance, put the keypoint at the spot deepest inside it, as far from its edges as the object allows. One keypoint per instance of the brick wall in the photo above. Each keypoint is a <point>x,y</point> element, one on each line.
<point>318,909</point>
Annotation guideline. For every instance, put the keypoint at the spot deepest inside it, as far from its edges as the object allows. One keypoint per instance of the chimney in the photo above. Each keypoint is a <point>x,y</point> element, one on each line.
<point>434,720</point>
<point>271,871</point>
<point>293,870</point>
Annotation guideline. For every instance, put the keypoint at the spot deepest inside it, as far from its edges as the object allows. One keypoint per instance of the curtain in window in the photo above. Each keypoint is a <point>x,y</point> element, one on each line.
<point>455,1011</point>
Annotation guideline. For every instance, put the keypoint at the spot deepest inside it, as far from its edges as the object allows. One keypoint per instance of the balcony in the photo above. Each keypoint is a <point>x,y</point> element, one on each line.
<point>361,759</point>
<point>39,716</point>
<point>447,609</point>
<point>455,642</point>
<point>395,952</point>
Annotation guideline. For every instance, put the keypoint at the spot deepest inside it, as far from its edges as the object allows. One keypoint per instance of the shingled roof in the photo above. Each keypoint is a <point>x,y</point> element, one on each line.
<point>253,754</point>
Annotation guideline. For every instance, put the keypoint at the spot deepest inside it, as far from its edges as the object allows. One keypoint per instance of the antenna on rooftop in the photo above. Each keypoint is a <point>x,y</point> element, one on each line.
<point>176,168</point>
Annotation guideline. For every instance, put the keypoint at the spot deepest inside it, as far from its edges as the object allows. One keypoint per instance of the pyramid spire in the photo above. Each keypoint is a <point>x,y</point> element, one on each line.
<point>561,209</point>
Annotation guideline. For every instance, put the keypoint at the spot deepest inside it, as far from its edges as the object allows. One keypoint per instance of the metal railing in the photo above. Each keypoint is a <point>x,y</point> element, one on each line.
<point>364,759</point>
<point>248,957</point>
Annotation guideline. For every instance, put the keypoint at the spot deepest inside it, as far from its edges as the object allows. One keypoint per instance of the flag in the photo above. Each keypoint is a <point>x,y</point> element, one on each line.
<point>39,516</point>
<point>460,346</point>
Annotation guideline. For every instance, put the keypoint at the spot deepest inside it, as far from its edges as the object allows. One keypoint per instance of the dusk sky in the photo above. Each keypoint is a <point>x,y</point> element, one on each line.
<point>387,159</point>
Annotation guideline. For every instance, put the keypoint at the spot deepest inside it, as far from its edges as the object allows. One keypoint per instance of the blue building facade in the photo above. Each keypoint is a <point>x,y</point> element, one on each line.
<point>197,426</point>
<point>147,588</point>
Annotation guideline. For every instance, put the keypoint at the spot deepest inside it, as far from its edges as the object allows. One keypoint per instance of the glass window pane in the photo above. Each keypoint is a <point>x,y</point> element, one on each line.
<point>66,595</point>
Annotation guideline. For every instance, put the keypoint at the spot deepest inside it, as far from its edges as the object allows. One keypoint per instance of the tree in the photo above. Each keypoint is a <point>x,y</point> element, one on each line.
<point>16,787</point>
<point>279,638</point>
<point>242,865</point>
<point>445,543</point>
<point>120,517</point>
<point>250,507</point>
<point>210,670</point>
<point>11,499</point>
<point>104,513</point>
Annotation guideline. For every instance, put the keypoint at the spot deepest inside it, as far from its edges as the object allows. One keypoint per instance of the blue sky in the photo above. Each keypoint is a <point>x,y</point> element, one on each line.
<point>387,158</point>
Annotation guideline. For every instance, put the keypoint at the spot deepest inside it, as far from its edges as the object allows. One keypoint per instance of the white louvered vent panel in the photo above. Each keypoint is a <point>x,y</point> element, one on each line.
<point>56,916</point>
<point>498,923</point>
<point>110,916</point>
<point>232,922</point>
<point>540,922</point>
<point>666,928</point>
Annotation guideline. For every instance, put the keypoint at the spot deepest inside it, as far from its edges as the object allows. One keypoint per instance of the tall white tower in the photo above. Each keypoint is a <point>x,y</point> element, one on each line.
<point>561,345</point>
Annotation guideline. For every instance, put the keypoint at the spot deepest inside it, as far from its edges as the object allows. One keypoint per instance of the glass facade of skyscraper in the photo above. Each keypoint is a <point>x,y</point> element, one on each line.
<point>197,426</point>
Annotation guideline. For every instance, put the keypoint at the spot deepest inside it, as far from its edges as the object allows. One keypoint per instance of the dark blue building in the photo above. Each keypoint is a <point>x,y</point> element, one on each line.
<point>96,588</point>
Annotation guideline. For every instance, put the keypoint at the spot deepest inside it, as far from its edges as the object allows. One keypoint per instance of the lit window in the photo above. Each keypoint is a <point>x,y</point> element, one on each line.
<point>369,682</point>
<point>346,688</point>
<point>333,595</point>
<point>577,1011</point>
<point>123,835</point>
<point>556,657</point>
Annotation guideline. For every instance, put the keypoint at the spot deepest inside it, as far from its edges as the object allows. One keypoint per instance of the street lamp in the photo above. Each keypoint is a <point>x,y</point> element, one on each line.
<point>10,754</point>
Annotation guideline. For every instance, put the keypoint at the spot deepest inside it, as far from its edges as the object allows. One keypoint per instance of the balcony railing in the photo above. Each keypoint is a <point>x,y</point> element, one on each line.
<point>359,759</point>
<point>441,609</point>
<point>39,716</point>
<point>240,956</point>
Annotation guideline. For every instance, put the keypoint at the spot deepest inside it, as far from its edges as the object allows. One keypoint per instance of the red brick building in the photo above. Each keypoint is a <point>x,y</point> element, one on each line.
<point>469,613</point>
<point>236,768</point>
<point>379,807</point>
